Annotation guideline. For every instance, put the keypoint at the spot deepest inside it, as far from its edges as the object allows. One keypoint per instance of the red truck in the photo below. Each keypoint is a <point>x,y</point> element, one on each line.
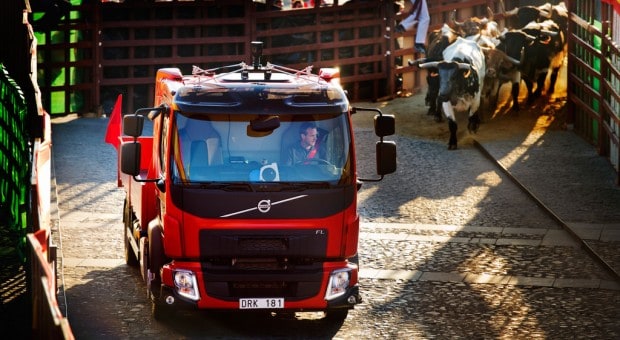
<point>217,217</point>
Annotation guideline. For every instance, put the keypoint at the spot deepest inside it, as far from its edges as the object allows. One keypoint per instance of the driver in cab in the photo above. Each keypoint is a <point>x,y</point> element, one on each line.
<point>307,148</point>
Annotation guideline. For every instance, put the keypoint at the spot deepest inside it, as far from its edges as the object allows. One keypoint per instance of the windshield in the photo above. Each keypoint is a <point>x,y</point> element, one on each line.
<point>234,148</point>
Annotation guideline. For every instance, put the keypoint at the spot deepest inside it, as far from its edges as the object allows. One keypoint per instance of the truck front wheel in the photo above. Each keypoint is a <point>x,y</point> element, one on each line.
<point>160,310</point>
<point>336,315</point>
<point>128,219</point>
<point>156,257</point>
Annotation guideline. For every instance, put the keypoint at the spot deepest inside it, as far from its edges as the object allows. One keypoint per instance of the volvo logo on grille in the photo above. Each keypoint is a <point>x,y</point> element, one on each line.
<point>264,206</point>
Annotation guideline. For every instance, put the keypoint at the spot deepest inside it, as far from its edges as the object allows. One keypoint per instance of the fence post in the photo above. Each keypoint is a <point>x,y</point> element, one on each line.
<point>47,319</point>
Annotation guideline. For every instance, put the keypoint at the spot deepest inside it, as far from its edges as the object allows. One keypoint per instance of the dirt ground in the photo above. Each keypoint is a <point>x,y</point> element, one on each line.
<point>412,118</point>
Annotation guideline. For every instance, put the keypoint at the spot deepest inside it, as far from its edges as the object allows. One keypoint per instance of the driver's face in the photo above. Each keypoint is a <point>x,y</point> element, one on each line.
<point>309,138</point>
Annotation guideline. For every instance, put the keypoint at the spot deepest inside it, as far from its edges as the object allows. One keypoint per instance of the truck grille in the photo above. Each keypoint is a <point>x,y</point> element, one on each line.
<point>262,245</point>
<point>258,264</point>
<point>263,263</point>
<point>255,278</point>
<point>262,289</point>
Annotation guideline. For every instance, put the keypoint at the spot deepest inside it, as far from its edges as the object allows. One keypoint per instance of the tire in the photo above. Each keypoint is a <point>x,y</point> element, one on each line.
<point>130,257</point>
<point>160,311</point>
<point>156,257</point>
<point>336,315</point>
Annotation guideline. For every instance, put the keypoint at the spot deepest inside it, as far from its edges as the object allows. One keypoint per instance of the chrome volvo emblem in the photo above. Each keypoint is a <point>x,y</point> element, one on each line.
<point>264,206</point>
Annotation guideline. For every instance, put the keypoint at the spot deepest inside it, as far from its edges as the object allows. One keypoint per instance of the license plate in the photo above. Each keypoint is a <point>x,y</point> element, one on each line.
<point>261,303</point>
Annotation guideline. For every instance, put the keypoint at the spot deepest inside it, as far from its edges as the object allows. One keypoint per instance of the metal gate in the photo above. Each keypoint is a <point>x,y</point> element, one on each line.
<point>594,75</point>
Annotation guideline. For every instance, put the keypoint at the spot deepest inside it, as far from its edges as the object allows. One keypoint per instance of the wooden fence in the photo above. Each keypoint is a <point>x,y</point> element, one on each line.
<point>105,49</point>
<point>594,76</point>
<point>48,321</point>
<point>29,260</point>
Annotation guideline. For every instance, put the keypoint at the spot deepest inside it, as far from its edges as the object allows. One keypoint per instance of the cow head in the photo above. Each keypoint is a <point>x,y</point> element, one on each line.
<point>547,33</point>
<point>559,14</point>
<point>549,40</point>
<point>438,41</point>
<point>498,62</point>
<point>512,43</point>
<point>474,25</point>
<point>455,79</point>
<point>520,16</point>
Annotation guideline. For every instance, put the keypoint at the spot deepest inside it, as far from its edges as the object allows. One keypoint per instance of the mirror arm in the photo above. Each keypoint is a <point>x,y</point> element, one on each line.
<point>372,179</point>
<point>145,180</point>
<point>152,113</point>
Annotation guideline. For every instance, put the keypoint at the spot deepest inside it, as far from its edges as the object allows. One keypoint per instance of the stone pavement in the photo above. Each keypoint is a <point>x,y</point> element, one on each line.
<point>558,167</point>
<point>563,172</point>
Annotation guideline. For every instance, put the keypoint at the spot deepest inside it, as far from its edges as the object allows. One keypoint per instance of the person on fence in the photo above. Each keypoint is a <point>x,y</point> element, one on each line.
<point>418,15</point>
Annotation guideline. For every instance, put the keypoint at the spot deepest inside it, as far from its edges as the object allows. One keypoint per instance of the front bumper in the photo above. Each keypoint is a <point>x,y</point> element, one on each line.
<point>225,296</point>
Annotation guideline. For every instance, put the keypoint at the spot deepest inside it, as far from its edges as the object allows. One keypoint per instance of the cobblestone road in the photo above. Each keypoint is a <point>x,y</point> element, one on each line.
<point>450,248</point>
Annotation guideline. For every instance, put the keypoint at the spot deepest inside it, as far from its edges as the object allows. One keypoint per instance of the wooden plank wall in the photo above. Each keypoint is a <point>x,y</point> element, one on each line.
<point>104,49</point>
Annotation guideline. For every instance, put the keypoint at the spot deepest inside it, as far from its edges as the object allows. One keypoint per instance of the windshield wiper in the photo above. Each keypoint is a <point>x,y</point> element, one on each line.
<point>260,186</point>
<point>226,186</point>
<point>291,186</point>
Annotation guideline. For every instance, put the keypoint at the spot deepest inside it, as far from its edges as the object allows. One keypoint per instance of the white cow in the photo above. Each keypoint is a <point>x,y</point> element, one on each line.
<point>461,78</point>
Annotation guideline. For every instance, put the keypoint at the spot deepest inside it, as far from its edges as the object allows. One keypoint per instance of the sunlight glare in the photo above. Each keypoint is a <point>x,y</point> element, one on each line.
<point>533,139</point>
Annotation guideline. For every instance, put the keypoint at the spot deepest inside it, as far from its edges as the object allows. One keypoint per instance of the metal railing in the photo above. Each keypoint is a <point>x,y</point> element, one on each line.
<point>594,76</point>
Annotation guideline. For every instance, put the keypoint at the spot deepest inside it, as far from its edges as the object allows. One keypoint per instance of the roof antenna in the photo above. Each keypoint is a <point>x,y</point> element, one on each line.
<point>257,53</point>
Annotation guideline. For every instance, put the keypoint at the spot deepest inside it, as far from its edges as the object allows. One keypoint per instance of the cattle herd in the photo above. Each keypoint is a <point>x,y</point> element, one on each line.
<point>467,62</point>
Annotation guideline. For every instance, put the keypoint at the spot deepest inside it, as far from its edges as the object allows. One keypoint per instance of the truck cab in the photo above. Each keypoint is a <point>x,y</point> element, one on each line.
<point>219,215</point>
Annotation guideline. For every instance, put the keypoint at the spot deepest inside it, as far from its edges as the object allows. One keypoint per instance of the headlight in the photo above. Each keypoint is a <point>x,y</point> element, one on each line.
<point>185,283</point>
<point>338,283</point>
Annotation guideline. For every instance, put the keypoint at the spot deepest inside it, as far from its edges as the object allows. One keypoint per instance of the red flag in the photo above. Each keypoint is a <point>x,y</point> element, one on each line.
<point>113,132</point>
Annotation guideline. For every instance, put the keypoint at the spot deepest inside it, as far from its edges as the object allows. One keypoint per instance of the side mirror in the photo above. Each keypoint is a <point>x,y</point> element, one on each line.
<point>130,158</point>
<point>385,125</point>
<point>132,125</point>
<point>386,157</point>
<point>385,150</point>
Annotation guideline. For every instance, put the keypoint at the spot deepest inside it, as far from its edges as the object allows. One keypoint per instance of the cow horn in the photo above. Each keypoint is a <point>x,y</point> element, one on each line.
<point>490,13</point>
<point>464,66</point>
<point>512,60</point>
<point>453,19</point>
<point>430,64</point>
<point>549,33</point>
<point>545,10</point>
<point>416,62</point>
<point>512,12</point>
<point>545,14</point>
